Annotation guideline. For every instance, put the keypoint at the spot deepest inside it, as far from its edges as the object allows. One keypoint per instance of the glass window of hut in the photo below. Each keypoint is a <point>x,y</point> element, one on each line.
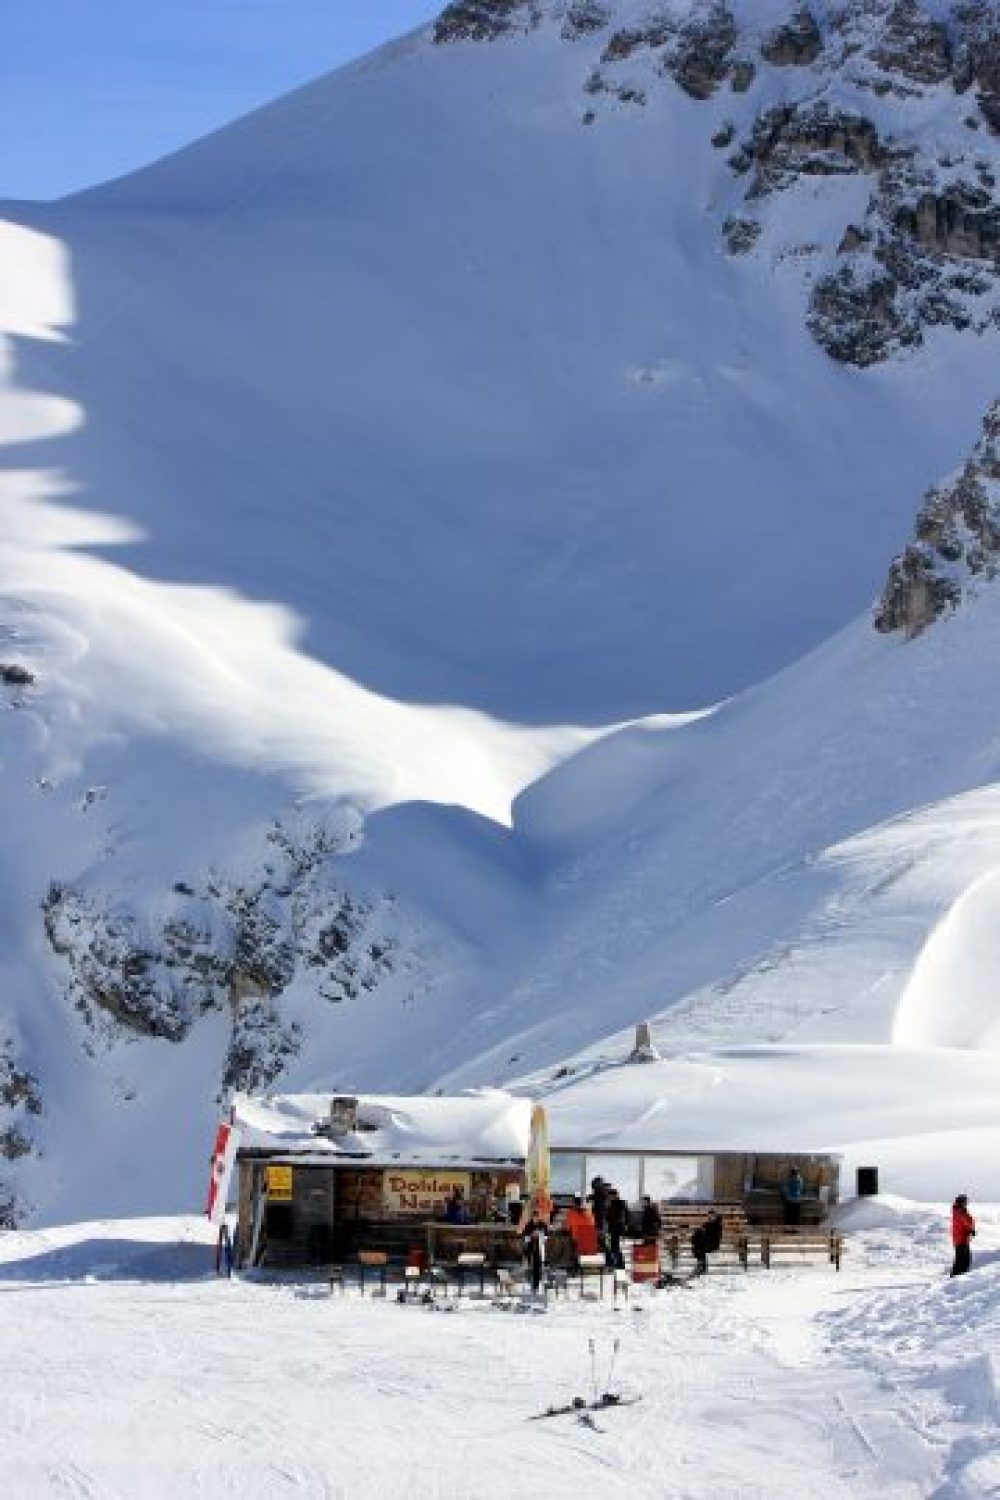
<point>621,1171</point>
<point>567,1172</point>
<point>675,1177</point>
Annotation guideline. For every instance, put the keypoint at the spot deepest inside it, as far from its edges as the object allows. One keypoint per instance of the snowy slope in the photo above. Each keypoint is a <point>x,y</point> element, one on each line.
<point>368,465</point>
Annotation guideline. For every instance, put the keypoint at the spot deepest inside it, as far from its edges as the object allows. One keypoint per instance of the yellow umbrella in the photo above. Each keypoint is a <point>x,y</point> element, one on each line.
<point>538,1165</point>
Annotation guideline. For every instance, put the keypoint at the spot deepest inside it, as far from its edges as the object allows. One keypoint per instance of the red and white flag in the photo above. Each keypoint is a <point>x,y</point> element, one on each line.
<point>227,1140</point>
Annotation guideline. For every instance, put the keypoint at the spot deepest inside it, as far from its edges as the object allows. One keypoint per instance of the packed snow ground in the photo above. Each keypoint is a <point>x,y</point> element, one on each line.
<point>128,1368</point>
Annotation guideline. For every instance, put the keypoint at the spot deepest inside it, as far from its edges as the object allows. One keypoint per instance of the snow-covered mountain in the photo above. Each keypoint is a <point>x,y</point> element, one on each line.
<point>442,513</point>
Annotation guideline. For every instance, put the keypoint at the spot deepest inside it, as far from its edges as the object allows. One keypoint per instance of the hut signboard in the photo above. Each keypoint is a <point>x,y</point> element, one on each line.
<point>279,1184</point>
<point>417,1191</point>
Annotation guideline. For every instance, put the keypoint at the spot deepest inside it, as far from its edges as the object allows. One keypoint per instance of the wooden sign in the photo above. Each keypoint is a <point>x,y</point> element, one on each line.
<point>279,1184</point>
<point>419,1191</point>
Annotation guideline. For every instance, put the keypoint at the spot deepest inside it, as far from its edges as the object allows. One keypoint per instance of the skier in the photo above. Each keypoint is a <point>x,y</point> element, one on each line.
<point>963,1228</point>
<point>791,1194</point>
<point>533,1237</point>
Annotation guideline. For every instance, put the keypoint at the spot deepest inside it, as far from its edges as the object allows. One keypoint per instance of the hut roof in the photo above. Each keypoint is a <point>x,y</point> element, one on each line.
<point>482,1126</point>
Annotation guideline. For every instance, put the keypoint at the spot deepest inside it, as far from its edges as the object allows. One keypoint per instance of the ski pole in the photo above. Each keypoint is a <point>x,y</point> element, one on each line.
<point>611,1367</point>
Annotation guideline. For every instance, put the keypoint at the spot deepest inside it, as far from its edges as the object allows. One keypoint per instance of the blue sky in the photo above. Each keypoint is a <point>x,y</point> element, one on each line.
<point>93,88</point>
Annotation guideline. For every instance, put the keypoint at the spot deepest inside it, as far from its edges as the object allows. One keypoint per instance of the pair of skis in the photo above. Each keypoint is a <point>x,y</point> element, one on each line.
<point>604,1400</point>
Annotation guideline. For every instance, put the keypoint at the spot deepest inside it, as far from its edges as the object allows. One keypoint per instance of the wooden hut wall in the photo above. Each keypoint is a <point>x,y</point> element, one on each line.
<point>245,1169</point>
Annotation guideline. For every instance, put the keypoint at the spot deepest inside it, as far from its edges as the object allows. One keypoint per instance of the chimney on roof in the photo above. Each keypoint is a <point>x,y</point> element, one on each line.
<point>343,1115</point>
<point>643,1051</point>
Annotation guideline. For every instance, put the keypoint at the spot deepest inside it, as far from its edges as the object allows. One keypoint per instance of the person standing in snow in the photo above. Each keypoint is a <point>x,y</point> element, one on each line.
<point>582,1229</point>
<point>599,1193</point>
<point>791,1194</point>
<point>533,1237</point>
<point>617,1226</point>
<point>963,1228</point>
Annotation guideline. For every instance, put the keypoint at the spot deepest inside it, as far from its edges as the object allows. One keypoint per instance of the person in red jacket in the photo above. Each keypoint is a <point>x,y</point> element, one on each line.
<point>963,1227</point>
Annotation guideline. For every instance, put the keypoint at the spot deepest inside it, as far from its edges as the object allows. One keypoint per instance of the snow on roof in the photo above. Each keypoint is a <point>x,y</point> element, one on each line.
<point>468,1129</point>
<point>759,1098</point>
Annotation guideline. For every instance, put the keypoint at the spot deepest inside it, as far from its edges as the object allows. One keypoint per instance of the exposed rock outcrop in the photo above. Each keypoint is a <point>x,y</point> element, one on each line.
<point>629,40</point>
<point>796,44</point>
<point>20,1103</point>
<point>484,20</point>
<point>977,58</point>
<point>791,141</point>
<point>961,220</point>
<point>231,944</point>
<point>585,17</point>
<point>855,315</point>
<point>913,45</point>
<point>956,545</point>
<point>701,57</point>
<point>741,235</point>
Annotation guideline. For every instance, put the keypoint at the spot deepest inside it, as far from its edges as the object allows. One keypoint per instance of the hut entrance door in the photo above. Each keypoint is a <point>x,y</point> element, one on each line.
<point>314,1203</point>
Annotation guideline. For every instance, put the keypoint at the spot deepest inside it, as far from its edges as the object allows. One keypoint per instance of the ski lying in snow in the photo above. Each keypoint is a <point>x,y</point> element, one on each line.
<point>518,1305</point>
<point>579,1407</point>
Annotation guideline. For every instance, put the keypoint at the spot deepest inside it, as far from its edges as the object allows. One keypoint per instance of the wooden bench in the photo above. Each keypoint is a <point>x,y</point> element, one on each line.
<point>813,1244</point>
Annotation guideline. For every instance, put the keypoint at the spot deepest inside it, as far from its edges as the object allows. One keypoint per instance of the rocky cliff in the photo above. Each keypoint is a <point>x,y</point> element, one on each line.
<point>956,545</point>
<point>920,245</point>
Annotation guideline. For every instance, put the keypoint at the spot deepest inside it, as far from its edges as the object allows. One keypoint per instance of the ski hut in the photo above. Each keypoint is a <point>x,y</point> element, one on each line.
<point>327,1177</point>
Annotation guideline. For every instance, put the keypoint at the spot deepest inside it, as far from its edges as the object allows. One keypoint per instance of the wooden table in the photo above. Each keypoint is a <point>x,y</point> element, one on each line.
<point>445,1242</point>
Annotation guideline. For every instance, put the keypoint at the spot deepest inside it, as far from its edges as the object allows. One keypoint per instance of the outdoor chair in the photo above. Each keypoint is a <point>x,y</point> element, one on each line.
<point>412,1287</point>
<point>471,1263</point>
<point>437,1279</point>
<point>373,1262</point>
<point>557,1282</point>
<point>589,1266</point>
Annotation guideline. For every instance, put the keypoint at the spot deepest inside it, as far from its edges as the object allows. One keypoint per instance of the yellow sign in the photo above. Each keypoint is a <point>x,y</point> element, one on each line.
<point>279,1184</point>
<point>417,1191</point>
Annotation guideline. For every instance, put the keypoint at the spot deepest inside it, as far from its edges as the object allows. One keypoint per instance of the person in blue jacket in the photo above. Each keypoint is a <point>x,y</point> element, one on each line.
<point>456,1210</point>
<point>791,1194</point>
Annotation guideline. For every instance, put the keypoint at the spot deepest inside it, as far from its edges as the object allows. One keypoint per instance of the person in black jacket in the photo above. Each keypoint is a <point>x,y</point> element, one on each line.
<point>599,1194</point>
<point>705,1240</point>
<point>651,1221</point>
<point>617,1226</point>
<point>533,1237</point>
